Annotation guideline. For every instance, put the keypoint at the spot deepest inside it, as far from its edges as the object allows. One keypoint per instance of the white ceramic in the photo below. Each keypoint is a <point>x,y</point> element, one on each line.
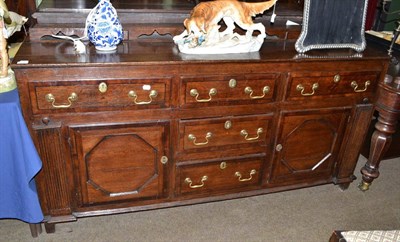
<point>104,29</point>
<point>8,83</point>
<point>228,44</point>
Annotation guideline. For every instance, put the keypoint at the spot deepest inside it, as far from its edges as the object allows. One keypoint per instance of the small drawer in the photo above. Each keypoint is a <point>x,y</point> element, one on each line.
<point>216,176</point>
<point>228,131</point>
<point>217,90</point>
<point>306,85</point>
<point>106,94</point>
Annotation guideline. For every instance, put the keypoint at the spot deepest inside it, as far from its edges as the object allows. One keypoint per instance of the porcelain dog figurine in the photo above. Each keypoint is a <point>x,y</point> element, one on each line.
<point>202,25</point>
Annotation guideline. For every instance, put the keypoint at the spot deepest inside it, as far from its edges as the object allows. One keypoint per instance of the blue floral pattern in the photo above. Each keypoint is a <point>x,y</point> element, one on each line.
<point>104,29</point>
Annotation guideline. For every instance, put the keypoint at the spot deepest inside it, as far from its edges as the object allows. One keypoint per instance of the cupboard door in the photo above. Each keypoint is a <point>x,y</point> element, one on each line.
<point>120,163</point>
<point>308,145</point>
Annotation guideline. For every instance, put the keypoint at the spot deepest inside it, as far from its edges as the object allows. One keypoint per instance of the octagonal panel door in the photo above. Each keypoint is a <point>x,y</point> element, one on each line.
<point>307,146</point>
<point>120,163</point>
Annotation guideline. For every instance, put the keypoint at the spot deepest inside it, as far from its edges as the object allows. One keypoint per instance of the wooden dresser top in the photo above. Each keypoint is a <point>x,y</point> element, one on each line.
<point>56,53</point>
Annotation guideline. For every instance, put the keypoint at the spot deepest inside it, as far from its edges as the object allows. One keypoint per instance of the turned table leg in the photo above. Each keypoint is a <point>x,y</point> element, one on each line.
<point>380,142</point>
<point>388,106</point>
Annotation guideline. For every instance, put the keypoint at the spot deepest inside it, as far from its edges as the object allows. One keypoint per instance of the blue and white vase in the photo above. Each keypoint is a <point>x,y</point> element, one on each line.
<point>103,27</point>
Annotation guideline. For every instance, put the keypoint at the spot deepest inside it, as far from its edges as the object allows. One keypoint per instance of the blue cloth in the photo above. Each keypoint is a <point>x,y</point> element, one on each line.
<point>19,163</point>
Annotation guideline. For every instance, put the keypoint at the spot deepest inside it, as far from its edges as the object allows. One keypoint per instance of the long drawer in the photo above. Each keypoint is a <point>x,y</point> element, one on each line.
<point>217,90</point>
<point>228,132</point>
<point>325,84</point>
<point>94,95</point>
<point>218,176</point>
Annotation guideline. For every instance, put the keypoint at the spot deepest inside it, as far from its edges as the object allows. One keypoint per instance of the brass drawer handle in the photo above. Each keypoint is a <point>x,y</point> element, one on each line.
<point>193,138</point>
<point>245,134</point>
<point>132,94</point>
<point>301,88</point>
<point>51,99</point>
<point>354,85</point>
<point>239,175</point>
<point>194,93</point>
<point>189,181</point>
<point>249,91</point>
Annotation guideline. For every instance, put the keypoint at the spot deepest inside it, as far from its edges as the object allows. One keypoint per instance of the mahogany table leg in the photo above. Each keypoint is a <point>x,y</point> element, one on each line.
<point>388,106</point>
<point>380,142</point>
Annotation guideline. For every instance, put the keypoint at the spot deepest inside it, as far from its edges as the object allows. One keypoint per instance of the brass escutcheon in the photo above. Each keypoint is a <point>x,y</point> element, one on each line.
<point>336,78</point>
<point>103,87</point>
<point>228,124</point>
<point>222,165</point>
<point>164,160</point>
<point>232,83</point>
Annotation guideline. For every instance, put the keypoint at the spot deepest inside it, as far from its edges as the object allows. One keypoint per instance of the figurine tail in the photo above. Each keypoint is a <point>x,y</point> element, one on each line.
<point>258,8</point>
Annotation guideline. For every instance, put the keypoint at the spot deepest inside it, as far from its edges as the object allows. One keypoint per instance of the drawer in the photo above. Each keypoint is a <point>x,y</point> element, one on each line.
<point>235,132</point>
<point>217,90</point>
<point>323,84</point>
<point>105,94</point>
<point>217,176</point>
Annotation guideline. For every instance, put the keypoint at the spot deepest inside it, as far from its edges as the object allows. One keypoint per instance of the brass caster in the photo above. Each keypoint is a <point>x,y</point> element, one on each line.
<point>363,186</point>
